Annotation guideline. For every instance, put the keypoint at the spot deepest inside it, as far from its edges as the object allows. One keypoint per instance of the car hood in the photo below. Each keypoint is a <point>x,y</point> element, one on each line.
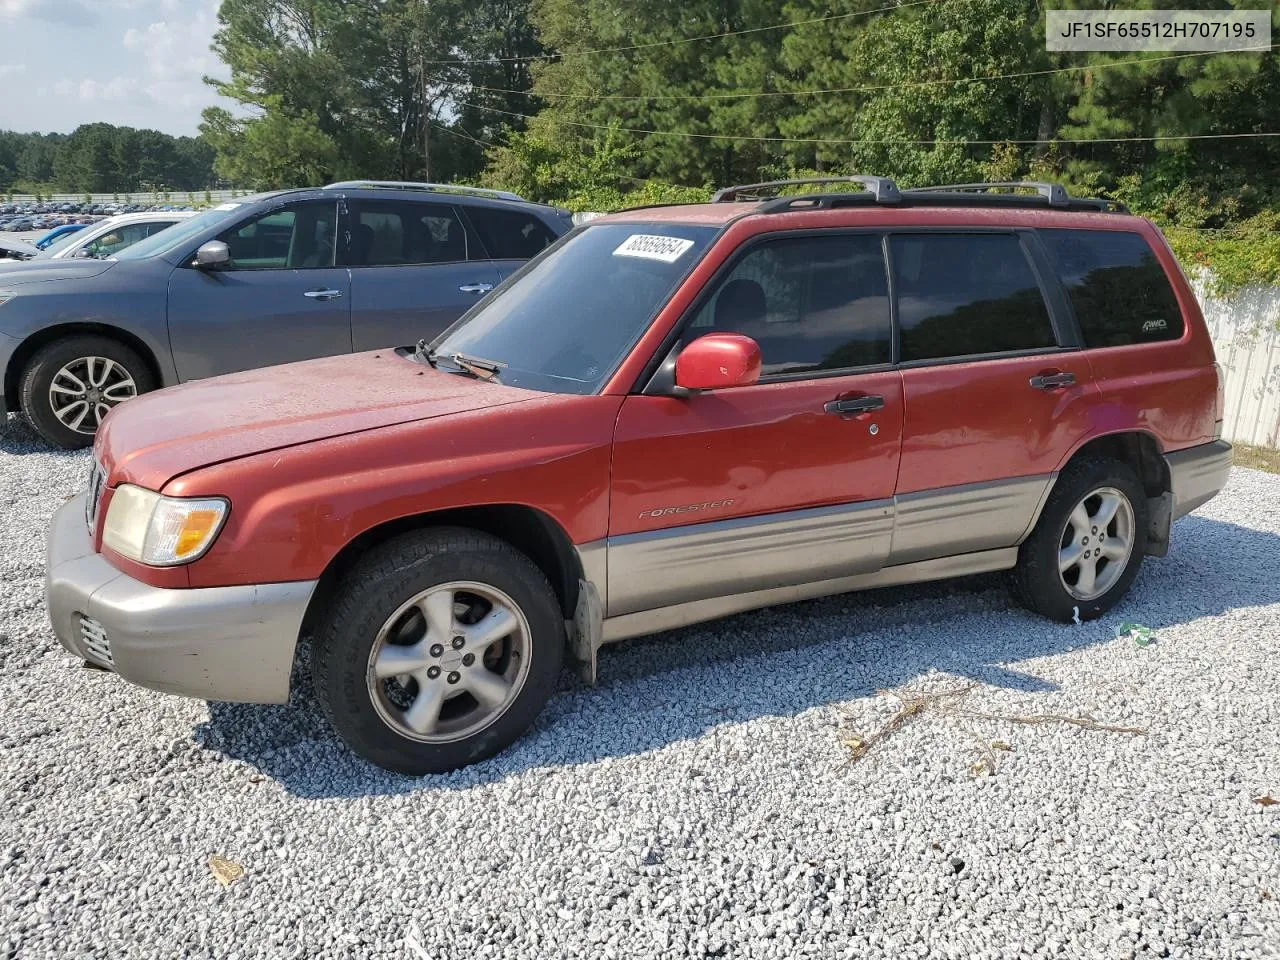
<point>18,247</point>
<point>18,272</point>
<point>155,438</point>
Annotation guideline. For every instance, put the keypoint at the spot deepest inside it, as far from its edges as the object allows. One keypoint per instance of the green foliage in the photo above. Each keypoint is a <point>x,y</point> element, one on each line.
<point>101,158</point>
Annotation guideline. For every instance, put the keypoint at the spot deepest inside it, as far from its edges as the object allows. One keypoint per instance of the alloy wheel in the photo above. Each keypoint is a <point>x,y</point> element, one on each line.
<point>84,391</point>
<point>1096,543</point>
<point>449,662</point>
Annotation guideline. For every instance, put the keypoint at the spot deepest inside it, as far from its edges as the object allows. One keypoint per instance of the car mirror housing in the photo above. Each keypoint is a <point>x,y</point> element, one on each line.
<point>717,361</point>
<point>214,255</point>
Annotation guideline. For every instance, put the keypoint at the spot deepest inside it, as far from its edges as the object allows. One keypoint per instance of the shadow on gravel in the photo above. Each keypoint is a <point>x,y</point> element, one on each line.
<point>675,686</point>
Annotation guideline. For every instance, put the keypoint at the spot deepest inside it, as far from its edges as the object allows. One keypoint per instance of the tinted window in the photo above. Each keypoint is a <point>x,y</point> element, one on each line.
<point>812,303</point>
<point>565,321</point>
<point>510,234</point>
<point>1118,289</point>
<point>394,233</point>
<point>299,236</point>
<point>963,295</point>
<point>179,236</point>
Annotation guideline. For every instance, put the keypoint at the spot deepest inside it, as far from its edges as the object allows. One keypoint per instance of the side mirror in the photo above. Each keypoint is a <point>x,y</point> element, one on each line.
<point>214,255</point>
<point>718,360</point>
<point>82,254</point>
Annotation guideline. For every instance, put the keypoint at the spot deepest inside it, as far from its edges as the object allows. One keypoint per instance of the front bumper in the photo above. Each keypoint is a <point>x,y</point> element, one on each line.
<point>1198,474</point>
<point>216,643</point>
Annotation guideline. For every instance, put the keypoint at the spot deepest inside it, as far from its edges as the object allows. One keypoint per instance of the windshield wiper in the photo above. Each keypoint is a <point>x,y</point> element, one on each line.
<point>477,366</point>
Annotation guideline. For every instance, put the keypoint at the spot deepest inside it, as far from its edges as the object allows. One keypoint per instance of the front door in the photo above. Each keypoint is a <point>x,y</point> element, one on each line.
<point>282,298</point>
<point>996,397</point>
<point>415,269</point>
<point>788,481</point>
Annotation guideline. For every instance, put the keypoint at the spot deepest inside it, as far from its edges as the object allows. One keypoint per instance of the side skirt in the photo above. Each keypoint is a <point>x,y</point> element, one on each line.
<point>683,614</point>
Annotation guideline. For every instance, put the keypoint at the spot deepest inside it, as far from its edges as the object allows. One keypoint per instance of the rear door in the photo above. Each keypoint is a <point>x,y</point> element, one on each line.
<point>415,269</point>
<point>997,394</point>
<point>282,298</point>
<point>788,481</point>
<point>510,237</point>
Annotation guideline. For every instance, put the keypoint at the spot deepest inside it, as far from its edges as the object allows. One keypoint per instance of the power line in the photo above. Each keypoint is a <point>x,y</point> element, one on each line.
<point>912,84</point>
<point>684,40</point>
<point>819,140</point>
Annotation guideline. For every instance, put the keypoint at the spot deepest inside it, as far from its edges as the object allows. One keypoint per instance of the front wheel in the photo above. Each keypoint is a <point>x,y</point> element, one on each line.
<point>70,385</point>
<point>1088,544</point>
<point>439,650</point>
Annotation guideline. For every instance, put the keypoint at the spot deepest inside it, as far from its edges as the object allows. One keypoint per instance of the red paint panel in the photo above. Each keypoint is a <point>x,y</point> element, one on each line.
<point>293,509</point>
<point>970,422</point>
<point>766,448</point>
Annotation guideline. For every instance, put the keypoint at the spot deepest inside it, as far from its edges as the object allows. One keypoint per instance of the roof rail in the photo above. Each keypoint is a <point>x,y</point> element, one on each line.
<point>882,188</point>
<point>1055,193</point>
<point>427,187</point>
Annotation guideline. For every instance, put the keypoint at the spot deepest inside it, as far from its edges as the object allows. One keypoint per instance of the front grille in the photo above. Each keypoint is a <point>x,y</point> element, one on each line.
<point>97,483</point>
<point>96,644</point>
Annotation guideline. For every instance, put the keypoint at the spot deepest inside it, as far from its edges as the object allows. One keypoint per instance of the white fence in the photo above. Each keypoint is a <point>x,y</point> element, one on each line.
<point>1246,336</point>
<point>143,196</point>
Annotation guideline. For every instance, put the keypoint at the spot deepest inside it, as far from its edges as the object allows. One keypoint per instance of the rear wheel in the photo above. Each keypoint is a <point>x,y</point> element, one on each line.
<point>439,650</point>
<point>70,385</point>
<point>1088,544</point>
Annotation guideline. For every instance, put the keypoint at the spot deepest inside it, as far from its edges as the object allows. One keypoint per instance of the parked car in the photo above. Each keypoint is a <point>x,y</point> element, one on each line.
<point>109,237</point>
<point>13,251</point>
<point>671,415</point>
<point>263,280</point>
<point>57,233</point>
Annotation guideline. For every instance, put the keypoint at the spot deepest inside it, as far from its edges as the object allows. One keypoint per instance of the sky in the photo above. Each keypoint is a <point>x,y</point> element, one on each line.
<point>136,63</point>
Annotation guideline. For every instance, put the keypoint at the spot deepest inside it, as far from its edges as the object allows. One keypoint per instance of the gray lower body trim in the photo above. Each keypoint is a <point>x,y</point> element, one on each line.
<point>705,560</point>
<point>966,519</point>
<point>1198,474</point>
<point>679,615</point>
<point>216,643</point>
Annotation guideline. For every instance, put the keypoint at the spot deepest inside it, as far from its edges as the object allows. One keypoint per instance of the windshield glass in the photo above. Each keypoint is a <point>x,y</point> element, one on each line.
<point>62,243</point>
<point>566,320</point>
<point>180,233</point>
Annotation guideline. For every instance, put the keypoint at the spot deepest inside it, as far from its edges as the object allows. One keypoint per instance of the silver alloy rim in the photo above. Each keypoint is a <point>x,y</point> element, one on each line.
<point>85,390</point>
<point>1096,543</point>
<point>449,662</point>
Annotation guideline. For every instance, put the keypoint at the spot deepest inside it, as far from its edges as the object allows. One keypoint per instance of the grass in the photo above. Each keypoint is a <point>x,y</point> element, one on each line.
<point>1257,458</point>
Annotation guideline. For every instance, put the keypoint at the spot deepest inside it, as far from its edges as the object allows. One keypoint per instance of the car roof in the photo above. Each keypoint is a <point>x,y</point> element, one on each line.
<point>123,218</point>
<point>406,193</point>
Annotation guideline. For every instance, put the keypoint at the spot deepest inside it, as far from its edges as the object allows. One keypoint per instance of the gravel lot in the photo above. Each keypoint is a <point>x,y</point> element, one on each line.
<point>697,803</point>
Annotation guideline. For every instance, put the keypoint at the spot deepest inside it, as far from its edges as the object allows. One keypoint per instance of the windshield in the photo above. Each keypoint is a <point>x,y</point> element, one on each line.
<point>61,243</point>
<point>566,320</point>
<point>180,233</point>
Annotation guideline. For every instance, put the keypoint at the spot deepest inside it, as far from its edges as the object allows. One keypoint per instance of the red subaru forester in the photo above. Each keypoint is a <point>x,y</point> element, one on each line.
<point>671,415</point>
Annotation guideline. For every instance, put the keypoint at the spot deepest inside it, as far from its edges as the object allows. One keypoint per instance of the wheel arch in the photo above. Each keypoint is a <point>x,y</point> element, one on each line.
<point>41,338</point>
<point>531,531</point>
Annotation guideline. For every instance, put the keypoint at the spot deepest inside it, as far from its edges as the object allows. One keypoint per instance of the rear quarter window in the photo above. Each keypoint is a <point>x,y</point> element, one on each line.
<point>510,234</point>
<point>1118,289</point>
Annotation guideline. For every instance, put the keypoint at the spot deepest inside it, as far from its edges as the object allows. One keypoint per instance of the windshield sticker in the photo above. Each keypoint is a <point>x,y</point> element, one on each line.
<point>226,206</point>
<point>649,247</point>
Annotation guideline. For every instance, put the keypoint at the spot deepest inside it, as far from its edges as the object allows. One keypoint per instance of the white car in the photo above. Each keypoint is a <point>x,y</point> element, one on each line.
<point>108,237</point>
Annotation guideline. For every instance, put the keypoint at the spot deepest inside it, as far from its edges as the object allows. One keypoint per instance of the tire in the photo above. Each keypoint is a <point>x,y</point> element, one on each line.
<point>379,615</point>
<point>1042,584</point>
<point>55,370</point>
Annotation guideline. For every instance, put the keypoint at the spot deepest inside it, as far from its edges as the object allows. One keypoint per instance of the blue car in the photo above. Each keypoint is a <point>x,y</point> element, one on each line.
<point>56,233</point>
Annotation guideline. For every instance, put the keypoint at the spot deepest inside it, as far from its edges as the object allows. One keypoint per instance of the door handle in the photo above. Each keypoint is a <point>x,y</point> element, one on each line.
<point>1052,380</point>
<point>476,288</point>
<point>854,405</point>
<point>324,294</point>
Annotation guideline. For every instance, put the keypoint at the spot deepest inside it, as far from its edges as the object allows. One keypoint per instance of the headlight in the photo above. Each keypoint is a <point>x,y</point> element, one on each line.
<point>161,531</point>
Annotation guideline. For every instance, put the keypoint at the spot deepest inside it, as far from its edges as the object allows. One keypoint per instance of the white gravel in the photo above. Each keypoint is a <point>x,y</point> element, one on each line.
<point>693,805</point>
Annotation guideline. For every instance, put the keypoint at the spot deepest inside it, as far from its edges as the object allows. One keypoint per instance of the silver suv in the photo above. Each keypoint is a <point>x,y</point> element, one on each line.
<point>261,280</point>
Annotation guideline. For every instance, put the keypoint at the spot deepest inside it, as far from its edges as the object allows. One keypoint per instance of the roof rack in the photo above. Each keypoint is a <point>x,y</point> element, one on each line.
<point>882,188</point>
<point>998,191</point>
<point>427,187</point>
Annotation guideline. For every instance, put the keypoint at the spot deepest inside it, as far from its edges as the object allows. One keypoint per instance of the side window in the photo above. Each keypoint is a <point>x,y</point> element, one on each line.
<point>965,295</point>
<point>812,303</point>
<point>119,238</point>
<point>510,234</point>
<point>396,233</point>
<point>300,236</point>
<point>1118,289</point>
